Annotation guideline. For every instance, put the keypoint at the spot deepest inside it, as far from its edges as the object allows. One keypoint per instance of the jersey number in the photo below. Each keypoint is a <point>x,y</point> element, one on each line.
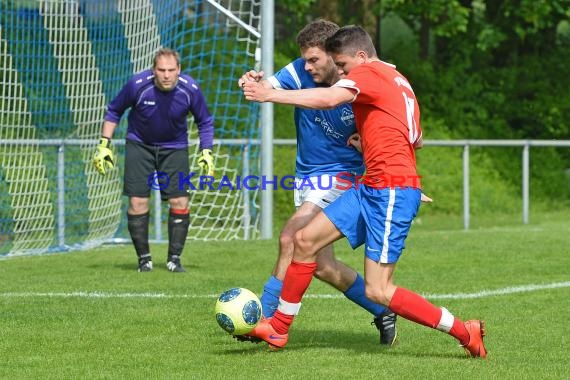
<point>412,127</point>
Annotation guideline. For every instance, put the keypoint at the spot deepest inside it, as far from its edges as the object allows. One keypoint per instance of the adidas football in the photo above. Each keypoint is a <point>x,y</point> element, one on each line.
<point>238,311</point>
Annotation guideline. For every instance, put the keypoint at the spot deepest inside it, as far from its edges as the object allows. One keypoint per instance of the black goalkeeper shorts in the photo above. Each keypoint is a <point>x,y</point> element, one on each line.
<point>149,167</point>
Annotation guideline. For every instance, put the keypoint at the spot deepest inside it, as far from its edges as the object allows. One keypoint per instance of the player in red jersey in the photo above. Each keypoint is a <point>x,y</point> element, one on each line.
<point>379,212</point>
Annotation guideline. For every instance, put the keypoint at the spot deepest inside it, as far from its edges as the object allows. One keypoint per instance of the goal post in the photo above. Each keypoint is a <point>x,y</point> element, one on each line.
<point>62,61</point>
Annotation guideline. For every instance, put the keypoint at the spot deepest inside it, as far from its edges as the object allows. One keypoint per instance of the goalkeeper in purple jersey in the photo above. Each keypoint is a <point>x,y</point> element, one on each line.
<point>160,101</point>
<point>324,151</point>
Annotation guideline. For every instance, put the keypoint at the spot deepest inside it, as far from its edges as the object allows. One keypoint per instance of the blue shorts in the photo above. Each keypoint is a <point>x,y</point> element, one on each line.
<point>378,218</point>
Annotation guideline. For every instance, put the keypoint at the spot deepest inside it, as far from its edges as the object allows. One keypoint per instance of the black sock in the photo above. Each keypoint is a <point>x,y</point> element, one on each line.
<point>177,231</point>
<point>138,228</point>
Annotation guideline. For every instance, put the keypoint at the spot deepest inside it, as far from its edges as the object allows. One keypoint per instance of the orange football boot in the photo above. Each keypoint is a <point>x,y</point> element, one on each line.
<point>264,331</point>
<point>475,348</point>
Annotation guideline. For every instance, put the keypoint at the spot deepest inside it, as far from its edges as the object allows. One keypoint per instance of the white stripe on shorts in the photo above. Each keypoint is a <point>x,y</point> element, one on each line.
<point>387,227</point>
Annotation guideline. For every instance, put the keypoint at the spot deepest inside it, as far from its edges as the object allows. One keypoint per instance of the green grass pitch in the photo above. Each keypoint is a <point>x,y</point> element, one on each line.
<point>90,315</point>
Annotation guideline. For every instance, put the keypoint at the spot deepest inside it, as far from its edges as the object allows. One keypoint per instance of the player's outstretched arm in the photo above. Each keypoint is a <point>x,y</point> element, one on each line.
<point>315,98</point>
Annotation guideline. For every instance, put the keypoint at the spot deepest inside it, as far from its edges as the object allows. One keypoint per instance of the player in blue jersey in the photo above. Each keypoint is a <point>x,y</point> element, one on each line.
<point>323,152</point>
<point>157,140</point>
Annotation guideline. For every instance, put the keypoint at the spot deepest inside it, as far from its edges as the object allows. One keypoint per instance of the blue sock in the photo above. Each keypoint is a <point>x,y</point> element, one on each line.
<point>270,297</point>
<point>356,294</point>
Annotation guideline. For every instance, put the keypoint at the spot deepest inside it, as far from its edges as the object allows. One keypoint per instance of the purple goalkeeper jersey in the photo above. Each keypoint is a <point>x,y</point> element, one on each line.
<point>160,117</point>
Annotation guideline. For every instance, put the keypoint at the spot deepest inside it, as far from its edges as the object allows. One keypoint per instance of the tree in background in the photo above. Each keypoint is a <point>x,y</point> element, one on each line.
<point>493,69</point>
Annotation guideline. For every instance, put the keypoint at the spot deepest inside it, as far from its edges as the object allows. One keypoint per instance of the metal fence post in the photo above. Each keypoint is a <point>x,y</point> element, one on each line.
<point>61,194</point>
<point>525,181</point>
<point>157,215</point>
<point>246,220</point>
<point>466,213</point>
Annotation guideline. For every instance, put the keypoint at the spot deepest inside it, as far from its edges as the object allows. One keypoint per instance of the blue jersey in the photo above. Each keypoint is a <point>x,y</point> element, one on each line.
<point>322,135</point>
<point>160,117</point>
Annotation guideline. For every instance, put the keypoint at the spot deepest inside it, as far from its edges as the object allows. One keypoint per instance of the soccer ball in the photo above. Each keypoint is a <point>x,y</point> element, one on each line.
<point>238,311</point>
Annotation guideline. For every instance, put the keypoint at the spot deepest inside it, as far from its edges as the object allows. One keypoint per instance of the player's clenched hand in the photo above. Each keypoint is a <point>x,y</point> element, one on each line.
<point>250,76</point>
<point>354,141</point>
<point>426,199</point>
<point>104,158</point>
<point>255,91</point>
<point>206,162</point>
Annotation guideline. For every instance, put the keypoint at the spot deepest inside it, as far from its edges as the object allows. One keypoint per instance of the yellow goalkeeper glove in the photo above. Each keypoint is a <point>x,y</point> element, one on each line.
<point>104,158</point>
<point>206,162</point>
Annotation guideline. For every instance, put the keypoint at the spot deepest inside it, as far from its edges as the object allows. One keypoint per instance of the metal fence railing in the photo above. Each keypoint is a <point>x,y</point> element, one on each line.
<point>466,144</point>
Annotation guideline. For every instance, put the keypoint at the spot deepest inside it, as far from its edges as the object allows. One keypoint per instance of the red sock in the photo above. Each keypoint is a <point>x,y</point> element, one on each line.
<point>281,322</point>
<point>297,279</point>
<point>459,332</point>
<point>415,308</point>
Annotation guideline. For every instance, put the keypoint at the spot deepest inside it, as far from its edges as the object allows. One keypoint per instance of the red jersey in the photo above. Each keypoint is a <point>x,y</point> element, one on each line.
<point>387,118</point>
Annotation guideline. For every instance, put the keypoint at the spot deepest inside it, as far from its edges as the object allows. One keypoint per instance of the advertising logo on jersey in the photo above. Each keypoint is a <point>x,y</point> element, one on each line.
<point>347,116</point>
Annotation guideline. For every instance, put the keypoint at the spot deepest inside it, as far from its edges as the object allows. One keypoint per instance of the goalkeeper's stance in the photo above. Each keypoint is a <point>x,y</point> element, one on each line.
<point>157,140</point>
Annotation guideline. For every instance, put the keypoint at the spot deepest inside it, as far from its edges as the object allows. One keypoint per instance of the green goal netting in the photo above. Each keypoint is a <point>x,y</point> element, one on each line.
<point>61,62</point>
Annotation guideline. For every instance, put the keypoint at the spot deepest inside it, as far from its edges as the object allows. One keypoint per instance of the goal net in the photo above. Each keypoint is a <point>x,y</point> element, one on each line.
<point>62,61</point>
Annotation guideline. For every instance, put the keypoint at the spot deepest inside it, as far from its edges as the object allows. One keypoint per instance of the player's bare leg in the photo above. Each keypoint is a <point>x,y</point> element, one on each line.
<point>138,205</point>
<point>332,271</point>
<point>351,284</point>
<point>379,285</point>
<point>298,220</point>
<point>329,269</point>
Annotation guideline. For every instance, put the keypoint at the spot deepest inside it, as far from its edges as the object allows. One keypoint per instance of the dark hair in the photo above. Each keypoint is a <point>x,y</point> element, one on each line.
<point>315,34</point>
<point>165,52</point>
<point>349,40</point>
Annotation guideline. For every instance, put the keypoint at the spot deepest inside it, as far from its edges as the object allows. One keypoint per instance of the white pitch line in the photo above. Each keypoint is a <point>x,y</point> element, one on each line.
<point>500,292</point>
<point>102,295</point>
<point>480,294</point>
